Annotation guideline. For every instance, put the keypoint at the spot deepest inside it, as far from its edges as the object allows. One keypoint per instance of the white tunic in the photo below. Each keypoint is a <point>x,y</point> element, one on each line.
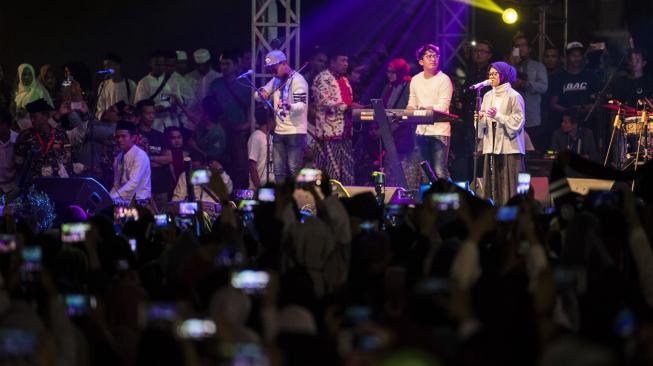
<point>110,93</point>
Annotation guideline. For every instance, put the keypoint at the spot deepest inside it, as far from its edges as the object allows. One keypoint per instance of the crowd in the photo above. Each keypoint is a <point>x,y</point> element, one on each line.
<point>295,275</point>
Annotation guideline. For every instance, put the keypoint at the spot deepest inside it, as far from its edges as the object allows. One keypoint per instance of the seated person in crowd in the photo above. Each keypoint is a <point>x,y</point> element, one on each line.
<point>571,137</point>
<point>131,168</point>
<point>175,137</point>
<point>202,191</point>
<point>259,151</point>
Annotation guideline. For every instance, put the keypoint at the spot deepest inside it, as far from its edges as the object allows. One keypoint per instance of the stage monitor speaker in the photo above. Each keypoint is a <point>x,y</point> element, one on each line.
<point>86,193</point>
<point>390,192</point>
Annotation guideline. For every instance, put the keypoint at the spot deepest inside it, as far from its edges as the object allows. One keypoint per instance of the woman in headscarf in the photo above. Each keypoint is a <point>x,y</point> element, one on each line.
<point>48,78</point>
<point>28,90</point>
<point>501,128</point>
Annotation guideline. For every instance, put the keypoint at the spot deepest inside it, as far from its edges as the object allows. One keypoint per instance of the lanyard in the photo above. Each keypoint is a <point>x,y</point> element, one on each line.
<point>44,148</point>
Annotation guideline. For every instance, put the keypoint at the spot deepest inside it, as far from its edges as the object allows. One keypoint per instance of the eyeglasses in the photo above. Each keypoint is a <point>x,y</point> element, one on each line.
<point>491,74</point>
<point>431,56</point>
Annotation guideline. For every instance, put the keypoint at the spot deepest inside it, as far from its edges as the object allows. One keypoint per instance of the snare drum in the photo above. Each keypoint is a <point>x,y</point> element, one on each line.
<point>633,126</point>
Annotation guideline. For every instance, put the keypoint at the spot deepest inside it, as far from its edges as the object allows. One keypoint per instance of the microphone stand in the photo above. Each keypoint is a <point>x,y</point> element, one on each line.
<point>475,153</point>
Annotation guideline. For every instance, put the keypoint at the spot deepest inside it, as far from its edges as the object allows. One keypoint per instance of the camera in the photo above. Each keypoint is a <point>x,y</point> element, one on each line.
<point>161,220</point>
<point>187,208</point>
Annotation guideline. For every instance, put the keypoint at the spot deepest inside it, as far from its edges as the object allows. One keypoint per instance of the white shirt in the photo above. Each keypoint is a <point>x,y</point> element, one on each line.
<point>7,168</point>
<point>111,93</point>
<point>200,85</point>
<point>174,86</point>
<point>181,192</point>
<point>131,175</point>
<point>434,93</point>
<point>259,149</point>
<point>295,94</point>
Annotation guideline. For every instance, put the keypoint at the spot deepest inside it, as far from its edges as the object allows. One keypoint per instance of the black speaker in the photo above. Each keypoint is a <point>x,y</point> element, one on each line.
<point>86,193</point>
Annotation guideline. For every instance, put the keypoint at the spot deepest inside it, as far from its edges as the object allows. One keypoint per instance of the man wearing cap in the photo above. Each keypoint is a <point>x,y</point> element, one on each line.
<point>575,88</point>
<point>201,78</point>
<point>131,168</point>
<point>116,88</point>
<point>42,150</point>
<point>289,92</point>
<point>182,62</point>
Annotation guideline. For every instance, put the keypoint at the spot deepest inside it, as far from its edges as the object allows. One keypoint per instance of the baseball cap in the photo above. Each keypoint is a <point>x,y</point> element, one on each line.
<point>574,46</point>
<point>274,57</point>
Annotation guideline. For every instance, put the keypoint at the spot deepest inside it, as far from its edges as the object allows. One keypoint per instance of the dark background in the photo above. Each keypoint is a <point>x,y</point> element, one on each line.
<point>55,32</point>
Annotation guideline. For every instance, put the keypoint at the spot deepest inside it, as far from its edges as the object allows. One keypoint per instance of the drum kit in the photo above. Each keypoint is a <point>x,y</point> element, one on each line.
<point>632,134</point>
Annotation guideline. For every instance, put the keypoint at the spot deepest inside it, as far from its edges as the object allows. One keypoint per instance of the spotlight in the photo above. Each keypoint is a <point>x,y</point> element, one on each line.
<point>473,43</point>
<point>509,16</point>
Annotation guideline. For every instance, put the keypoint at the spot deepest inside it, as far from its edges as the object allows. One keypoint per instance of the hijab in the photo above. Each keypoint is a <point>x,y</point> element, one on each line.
<point>507,73</point>
<point>29,93</point>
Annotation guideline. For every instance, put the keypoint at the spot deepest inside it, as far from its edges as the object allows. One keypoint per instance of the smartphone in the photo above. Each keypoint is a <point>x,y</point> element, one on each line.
<point>133,245</point>
<point>523,183</point>
<point>164,98</point>
<point>244,354</point>
<point>201,176</point>
<point>17,343</point>
<point>31,259</point>
<point>67,82</point>
<point>187,208</point>
<point>446,201</point>
<point>7,243</point>
<point>76,105</point>
<point>79,304</point>
<point>507,213</point>
<point>247,205</point>
<point>244,194</point>
<point>196,329</point>
<point>159,313</point>
<point>184,222</point>
<point>161,220</point>
<point>309,175</point>
<point>266,194</point>
<point>74,232</point>
<point>124,214</point>
<point>250,281</point>
<point>357,315</point>
<point>367,226</point>
<point>515,51</point>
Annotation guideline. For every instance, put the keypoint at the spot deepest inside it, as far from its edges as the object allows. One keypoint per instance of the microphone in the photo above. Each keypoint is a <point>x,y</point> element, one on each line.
<point>245,74</point>
<point>106,72</point>
<point>480,85</point>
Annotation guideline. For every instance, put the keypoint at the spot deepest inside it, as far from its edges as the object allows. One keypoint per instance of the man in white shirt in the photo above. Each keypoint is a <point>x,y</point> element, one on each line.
<point>259,151</point>
<point>131,168</point>
<point>7,142</point>
<point>116,88</point>
<point>157,86</point>
<point>201,78</point>
<point>432,89</point>
<point>289,92</point>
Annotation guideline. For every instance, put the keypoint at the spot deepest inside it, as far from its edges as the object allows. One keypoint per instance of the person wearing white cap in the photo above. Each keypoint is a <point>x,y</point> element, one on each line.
<point>182,62</point>
<point>201,78</point>
<point>289,92</point>
<point>575,88</point>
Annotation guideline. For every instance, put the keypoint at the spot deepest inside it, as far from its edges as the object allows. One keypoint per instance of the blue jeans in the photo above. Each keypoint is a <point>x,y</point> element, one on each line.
<point>435,150</point>
<point>287,155</point>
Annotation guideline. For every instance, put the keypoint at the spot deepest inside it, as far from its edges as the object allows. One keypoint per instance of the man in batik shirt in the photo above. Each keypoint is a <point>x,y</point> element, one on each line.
<point>42,150</point>
<point>333,128</point>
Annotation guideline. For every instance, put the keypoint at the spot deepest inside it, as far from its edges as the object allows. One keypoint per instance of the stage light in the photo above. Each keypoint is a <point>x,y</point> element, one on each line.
<point>473,43</point>
<point>509,16</point>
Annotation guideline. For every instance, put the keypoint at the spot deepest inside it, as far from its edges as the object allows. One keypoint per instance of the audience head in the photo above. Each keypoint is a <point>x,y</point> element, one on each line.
<point>551,58</point>
<point>230,62</point>
<point>112,61</point>
<point>398,70</point>
<point>202,59</point>
<point>182,62</point>
<point>157,63</point>
<point>575,52</point>
<point>175,137</point>
<point>483,52</point>
<point>338,62</point>
<point>319,61</point>
<point>48,78</point>
<point>520,41</point>
<point>569,122</point>
<point>146,112</point>
<point>428,57</point>
<point>636,60</point>
<point>25,75</point>
<point>125,135</point>
<point>39,112</point>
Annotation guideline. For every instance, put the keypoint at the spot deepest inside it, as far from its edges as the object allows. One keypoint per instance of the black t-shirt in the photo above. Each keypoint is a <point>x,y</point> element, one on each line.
<point>154,143</point>
<point>575,90</point>
<point>627,90</point>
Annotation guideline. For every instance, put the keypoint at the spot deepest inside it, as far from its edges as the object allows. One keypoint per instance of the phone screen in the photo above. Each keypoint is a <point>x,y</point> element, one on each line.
<point>266,194</point>
<point>124,214</point>
<point>161,220</point>
<point>446,201</point>
<point>507,213</point>
<point>74,232</point>
<point>187,208</point>
<point>196,329</point>
<point>7,243</point>
<point>31,258</point>
<point>250,281</point>
<point>78,304</point>
<point>523,183</point>
<point>309,175</point>
<point>201,176</point>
